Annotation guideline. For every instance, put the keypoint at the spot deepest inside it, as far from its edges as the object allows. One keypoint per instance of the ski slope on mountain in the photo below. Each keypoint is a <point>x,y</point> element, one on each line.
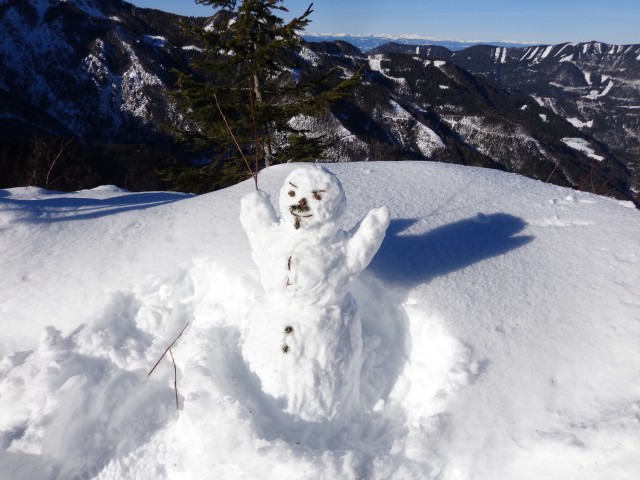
<point>500,332</point>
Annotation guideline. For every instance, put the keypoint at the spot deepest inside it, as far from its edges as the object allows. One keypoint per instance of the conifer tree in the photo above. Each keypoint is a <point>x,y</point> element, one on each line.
<point>248,81</point>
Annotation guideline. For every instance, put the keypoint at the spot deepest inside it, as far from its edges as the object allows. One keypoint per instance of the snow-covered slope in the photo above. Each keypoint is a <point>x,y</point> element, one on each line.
<point>500,321</point>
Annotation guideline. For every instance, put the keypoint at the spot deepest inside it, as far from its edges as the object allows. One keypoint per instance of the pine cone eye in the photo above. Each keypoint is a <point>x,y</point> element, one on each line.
<point>292,193</point>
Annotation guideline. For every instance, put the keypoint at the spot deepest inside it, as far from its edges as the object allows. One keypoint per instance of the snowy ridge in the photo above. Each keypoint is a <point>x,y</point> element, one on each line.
<point>493,348</point>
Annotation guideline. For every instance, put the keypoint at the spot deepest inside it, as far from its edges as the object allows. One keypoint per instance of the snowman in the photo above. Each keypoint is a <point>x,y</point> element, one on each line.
<point>303,339</point>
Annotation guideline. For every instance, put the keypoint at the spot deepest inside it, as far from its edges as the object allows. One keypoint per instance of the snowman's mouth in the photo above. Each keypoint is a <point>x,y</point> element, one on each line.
<point>299,210</point>
<point>298,219</point>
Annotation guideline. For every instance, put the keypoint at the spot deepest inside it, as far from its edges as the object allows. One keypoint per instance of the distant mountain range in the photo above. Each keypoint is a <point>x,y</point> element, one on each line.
<point>369,42</point>
<point>84,100</point>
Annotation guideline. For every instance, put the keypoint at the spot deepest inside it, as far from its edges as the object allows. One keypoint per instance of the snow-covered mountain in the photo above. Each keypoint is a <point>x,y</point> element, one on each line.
<point>369,42</point>
<point>95,69</point>
<point>99,71</point>
<point>593,85</point>
<point>500,333</point>
<point>419,105</point>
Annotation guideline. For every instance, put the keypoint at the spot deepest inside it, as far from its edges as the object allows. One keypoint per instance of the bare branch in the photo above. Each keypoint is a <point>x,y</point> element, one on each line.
<point>63,147</point>
<point>175,379</point>
<point>165,352</point>
<point>254,175</point>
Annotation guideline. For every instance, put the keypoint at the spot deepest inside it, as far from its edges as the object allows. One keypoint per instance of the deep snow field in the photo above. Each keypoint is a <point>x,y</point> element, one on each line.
<point>500,329</point>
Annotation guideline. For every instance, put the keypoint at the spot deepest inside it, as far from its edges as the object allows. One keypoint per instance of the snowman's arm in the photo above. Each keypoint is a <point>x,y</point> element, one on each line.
<point>257,216</point>
<point>365,239</point>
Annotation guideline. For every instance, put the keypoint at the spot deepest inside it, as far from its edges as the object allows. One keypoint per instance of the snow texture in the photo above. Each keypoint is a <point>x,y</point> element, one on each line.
<point>500,324</point>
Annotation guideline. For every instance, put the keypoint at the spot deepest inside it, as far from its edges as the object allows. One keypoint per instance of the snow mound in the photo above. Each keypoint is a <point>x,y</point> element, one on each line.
<point>500,321</point>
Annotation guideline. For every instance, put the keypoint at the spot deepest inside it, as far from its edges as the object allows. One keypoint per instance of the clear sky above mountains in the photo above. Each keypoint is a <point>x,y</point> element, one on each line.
<point>532,21</point>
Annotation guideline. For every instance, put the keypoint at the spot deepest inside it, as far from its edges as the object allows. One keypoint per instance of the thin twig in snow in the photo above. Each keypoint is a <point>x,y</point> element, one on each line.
<point>165,352</point>
<point>175,379</point>
<point>175,369</point>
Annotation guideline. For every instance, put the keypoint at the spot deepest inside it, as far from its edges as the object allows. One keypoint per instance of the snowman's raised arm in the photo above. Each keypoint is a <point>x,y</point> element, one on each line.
<point>365,239</point>
<point>257,216</point>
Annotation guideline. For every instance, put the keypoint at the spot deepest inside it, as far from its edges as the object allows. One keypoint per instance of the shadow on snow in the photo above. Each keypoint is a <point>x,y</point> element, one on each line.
<point>66,208</point>
<point>413,259</point>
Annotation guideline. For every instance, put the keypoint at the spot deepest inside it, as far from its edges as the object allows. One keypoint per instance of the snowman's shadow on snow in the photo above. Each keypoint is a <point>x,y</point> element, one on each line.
<point>410,260</point>
<point>405,261</point>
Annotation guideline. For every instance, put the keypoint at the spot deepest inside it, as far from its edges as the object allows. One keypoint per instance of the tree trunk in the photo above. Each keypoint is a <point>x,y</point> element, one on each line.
<point>266,145</point>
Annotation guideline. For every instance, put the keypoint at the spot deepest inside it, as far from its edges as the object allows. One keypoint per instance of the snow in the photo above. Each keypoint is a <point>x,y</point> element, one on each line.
<point>309,56</point>
<point>582,145</point>
<point>155,40</point>
<point>193,47</point>
<point>303,337</point>
<point>576,122</point>
<point>425,139</point>
<point>375,63</point>
<point>500,323</point>
<point>547,51</point>
<point>594,94</point>
<point>587,77</point>
<point>134,82</point>
<point>533,53</point>
<point>561,49</point>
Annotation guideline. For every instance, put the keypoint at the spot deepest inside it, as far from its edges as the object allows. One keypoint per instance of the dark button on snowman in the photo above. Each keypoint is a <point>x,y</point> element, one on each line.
<point>304,337</point>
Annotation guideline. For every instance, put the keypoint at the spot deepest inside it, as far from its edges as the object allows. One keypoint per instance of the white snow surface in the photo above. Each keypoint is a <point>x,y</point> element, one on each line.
<point>500,332</point>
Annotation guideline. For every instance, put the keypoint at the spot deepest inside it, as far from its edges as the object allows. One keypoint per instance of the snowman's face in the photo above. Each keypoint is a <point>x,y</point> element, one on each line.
<point>311,197</point>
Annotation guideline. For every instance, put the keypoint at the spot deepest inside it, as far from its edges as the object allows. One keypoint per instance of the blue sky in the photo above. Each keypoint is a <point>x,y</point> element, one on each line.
<point>535,21</point>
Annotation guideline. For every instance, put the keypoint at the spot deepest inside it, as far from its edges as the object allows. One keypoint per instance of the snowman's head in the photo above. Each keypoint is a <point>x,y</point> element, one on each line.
<point>312,198</point>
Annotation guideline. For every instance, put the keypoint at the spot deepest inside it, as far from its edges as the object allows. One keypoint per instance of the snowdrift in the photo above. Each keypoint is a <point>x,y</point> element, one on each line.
<point>500,329</point>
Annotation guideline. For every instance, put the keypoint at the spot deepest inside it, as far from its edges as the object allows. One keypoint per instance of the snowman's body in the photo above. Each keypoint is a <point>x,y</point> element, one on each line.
<point>304,337</point>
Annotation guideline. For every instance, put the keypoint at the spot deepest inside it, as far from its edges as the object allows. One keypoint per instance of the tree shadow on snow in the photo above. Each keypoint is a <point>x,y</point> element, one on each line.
<point>66,208</point>
<point>413,259</point>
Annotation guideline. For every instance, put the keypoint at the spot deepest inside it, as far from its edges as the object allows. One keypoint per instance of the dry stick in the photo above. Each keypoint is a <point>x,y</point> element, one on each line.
<point>255,177</point>
<point>175,379</point>
<point>553,171</point>
<point>63,146</point>
<point>165,352</point>
<point>587,178</point>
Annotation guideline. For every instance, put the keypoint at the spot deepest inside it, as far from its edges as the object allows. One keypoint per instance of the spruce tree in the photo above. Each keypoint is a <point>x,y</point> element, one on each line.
<point>249,81</point>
